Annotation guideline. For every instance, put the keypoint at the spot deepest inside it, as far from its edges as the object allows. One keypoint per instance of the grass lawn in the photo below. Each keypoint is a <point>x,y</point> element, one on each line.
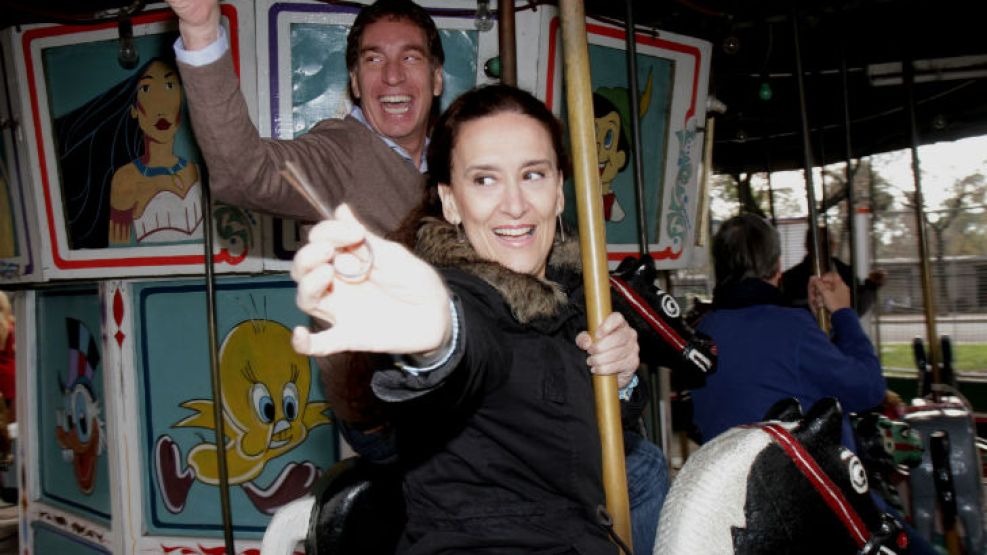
<point>966,356</point>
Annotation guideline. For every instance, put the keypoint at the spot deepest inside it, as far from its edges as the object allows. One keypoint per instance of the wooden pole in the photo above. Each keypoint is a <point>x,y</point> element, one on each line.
<point>508,42</point>
<point>589,204</point>
<point>702,213</point>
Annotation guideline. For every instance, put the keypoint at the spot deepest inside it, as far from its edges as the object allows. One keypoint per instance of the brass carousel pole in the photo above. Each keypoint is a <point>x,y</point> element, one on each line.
<point>589,204</point>
<point>508,42</point>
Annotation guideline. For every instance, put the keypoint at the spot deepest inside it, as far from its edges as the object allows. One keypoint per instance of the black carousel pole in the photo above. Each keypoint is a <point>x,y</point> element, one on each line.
<point>850,197</point>
<point>217,381</point>
<point>638,165</point>
<point>810,190</point>
<point>935,356</point>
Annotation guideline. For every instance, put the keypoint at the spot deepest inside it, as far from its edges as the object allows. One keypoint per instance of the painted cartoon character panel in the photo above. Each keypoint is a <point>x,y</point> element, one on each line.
<point>267,413</point>
<point>611,108</point>
<point>122,180</point>
<point>80,431</point>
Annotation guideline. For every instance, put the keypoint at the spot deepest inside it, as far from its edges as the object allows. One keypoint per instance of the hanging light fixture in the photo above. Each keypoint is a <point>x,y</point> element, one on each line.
<point>127,55</point>
<point>484,21</point>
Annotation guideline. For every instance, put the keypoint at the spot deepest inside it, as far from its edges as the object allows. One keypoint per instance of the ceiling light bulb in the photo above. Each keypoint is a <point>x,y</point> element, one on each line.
<point>127,55</point>
<point>483,21</point>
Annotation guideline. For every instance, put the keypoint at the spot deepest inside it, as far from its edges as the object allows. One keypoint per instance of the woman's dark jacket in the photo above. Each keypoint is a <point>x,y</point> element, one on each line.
<point>500,445</point>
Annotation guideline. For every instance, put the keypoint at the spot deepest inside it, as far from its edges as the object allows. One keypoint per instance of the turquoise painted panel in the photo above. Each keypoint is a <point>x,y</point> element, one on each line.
<point>279,435</point>
<point>101,116</point>
<point>72,435</point>
<point>655,77</point>
<point>48,539</point>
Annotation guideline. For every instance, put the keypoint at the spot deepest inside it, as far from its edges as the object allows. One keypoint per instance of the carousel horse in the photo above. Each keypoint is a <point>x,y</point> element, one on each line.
<point>786,485</point>
<point>658,319</point>
<point>950,414</point>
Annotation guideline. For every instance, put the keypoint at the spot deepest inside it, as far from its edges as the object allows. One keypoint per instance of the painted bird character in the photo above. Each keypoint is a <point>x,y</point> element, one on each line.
<point>267,413</point>
<point>80,431</point>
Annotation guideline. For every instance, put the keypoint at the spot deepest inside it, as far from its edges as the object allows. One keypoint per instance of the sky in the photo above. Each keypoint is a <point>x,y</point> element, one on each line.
<point>941,164</point>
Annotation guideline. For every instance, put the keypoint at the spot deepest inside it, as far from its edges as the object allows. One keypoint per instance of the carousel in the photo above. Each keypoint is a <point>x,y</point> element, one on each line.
<point>138,429</point>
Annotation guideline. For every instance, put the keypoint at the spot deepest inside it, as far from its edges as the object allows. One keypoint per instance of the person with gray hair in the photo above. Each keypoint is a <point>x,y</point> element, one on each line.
<point>767,351</point>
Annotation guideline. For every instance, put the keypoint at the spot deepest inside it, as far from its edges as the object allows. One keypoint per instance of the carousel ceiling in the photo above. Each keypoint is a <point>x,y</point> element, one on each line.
<point>754,73</point>
<point>754,69</point>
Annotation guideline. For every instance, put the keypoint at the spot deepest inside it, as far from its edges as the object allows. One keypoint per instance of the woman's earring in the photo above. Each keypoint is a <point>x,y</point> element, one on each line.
<point>460,236</point>
<point>561,234</point>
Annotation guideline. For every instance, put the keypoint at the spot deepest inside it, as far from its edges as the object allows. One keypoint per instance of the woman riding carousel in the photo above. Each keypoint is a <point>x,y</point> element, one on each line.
<point>491,386</point>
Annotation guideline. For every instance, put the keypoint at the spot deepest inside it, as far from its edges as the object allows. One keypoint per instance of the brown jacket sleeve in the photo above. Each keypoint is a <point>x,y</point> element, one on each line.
<point>343,159</point>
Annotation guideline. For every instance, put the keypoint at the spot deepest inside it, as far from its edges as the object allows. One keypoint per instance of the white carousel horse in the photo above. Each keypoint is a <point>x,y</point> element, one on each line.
<point>776,487</point>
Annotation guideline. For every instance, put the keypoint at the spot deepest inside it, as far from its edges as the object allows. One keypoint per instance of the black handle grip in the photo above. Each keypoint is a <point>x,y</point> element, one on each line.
<point>942,476</point>
<point>947,374</point>
<point>922,364</point>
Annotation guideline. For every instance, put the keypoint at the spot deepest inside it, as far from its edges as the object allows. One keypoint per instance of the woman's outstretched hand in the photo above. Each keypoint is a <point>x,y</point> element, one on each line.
<point>399,305</point>
<point>615,349</point>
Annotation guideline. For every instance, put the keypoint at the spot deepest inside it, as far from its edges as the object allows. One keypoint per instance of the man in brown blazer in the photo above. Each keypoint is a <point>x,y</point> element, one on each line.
<point>373,159</point>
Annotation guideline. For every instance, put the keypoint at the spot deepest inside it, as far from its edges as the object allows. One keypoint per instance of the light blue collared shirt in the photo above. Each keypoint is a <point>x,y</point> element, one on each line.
<point>357,114</point>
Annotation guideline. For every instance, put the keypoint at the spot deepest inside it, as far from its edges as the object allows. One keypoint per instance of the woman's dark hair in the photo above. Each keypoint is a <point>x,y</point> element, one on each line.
<point>479,103</point>
<point>745,246</point>
<point>394,10</point>
<point>92,142</point>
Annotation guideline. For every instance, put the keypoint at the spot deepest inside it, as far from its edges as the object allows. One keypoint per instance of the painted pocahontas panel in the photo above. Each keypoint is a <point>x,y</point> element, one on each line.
<point>118,177</point>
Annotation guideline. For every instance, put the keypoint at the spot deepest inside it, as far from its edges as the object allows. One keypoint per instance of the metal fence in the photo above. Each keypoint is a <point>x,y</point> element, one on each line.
<point>958,261</point>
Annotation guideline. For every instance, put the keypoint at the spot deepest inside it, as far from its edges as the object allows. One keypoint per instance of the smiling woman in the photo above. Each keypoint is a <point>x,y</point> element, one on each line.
<point>492,370</point>
<point>506,191</point>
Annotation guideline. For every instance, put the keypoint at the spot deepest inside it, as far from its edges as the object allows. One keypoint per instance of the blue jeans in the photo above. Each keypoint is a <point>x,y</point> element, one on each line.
<point>647,485</point>
<point>378,447</point>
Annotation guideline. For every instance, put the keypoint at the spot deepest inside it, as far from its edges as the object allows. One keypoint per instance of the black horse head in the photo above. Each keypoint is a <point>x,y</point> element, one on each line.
<point>783,486</point>
<point>792,508</point>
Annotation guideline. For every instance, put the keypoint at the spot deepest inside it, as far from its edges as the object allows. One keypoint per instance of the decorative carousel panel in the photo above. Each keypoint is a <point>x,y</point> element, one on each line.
<point>673,73</point>
<point>114,163</point>
<point>69,420</point>
<point>281,437</point>
<point>18,238</point>
<point>302,46</point>
<point>51,539</point>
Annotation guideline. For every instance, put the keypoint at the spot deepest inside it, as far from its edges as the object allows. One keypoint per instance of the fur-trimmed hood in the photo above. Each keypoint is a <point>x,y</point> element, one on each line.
<point>530,298</point>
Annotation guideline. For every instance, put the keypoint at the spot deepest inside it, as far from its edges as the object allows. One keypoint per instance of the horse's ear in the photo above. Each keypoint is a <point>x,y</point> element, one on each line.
<point>785,410</point>
<point>824,422</point>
